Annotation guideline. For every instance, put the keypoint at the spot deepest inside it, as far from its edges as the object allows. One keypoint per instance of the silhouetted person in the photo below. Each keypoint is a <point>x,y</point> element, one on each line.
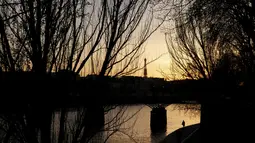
<point>183,123</point>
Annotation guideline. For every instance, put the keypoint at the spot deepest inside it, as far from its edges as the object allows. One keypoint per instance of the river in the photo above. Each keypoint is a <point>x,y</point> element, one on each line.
<point>132,124</point>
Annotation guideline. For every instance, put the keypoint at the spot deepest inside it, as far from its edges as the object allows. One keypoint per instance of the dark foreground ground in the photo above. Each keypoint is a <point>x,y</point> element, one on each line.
<point>188,134</point>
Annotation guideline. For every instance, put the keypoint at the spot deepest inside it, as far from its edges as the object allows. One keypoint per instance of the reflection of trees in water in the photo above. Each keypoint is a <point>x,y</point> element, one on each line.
<point>192,110</point>
<point>115,119</point>
<point>120,122</point>
<point>68,126</point>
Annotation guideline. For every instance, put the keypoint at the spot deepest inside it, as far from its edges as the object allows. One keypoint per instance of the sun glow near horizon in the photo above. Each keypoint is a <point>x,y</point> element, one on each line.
<point>156,47</point>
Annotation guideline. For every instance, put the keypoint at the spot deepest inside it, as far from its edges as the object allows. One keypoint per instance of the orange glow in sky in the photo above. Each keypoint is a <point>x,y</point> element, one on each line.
<point>154,47</point>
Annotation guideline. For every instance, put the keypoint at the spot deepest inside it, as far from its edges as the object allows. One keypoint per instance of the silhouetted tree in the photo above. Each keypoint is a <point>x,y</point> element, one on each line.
<point>215,40</point>
<point>194,55</point>
<point>233,22</point>
<point>49,36</point>
<point>46,36</point>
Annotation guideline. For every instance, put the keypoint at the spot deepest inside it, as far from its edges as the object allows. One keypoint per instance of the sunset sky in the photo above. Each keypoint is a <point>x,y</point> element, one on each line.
<point>154,47</point>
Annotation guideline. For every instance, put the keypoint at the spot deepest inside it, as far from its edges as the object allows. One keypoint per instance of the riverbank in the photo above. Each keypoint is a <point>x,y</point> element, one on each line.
<point>187,134</point>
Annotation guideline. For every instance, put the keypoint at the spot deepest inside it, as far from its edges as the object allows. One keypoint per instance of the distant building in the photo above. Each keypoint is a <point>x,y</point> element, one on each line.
<point>145,69</point>
<point>66,74</point>
<point>91,76</point>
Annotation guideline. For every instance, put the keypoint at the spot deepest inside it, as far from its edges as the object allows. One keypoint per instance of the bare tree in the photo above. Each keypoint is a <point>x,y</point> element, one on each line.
<point>191,53</point>
<point>129,25</point>
<point>213,40</point>
<point>51,35</point>
<point>195,49</point>
<point>233,22</point>
<point>47,36</point>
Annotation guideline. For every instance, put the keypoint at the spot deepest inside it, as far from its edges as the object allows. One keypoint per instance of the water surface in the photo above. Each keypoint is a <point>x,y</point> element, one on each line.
<point>127,124</point>
<point>140,124</point>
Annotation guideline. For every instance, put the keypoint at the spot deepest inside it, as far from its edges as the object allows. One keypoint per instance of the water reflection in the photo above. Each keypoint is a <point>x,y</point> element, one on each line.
<point>140,124</point>
<point>125,124</point>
